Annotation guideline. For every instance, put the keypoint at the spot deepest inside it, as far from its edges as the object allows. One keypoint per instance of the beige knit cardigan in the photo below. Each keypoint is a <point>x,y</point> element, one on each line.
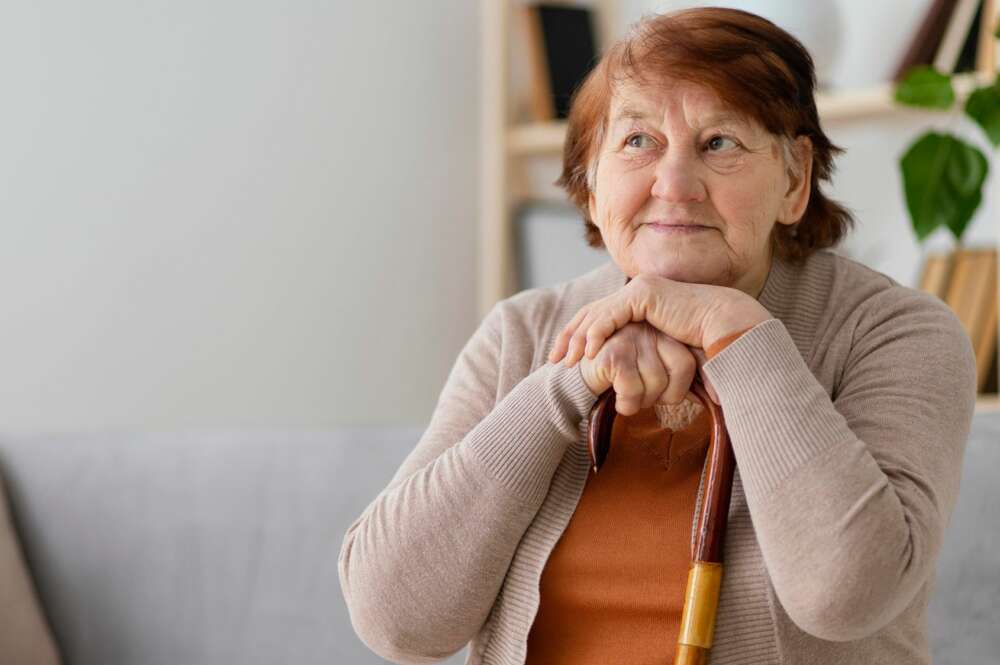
<point>848,413</point>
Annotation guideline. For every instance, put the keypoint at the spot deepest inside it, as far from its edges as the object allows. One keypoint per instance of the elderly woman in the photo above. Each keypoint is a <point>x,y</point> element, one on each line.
<point>695,154</point>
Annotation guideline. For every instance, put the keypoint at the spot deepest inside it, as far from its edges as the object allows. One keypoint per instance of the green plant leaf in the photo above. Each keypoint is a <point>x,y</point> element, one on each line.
<point>925,87</point>
<point>983,106</point>
<point>997,32</point>
<point>943,180</point>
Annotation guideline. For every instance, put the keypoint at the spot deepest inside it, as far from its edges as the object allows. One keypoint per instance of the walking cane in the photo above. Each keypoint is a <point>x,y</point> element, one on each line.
<point>701,598</point>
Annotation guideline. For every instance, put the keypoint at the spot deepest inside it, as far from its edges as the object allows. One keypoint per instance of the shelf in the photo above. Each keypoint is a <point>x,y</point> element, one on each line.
<point>536,138</point>
<point>988,404</point>
<point>541,138</point>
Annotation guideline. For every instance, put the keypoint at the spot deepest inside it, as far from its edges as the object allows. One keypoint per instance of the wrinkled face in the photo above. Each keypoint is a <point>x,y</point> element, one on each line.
<point>689,189</point>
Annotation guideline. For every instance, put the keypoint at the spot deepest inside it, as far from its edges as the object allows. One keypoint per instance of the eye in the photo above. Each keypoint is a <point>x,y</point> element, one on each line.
<point>717,143</point>
<point>639,141</point>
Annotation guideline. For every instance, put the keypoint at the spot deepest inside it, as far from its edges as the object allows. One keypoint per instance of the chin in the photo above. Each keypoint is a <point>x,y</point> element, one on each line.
<point>689,271</point>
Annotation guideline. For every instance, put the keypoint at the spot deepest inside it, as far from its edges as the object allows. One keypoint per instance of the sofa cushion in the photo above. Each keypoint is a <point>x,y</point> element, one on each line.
<point>962,616</point>
<point>197,547</point>
<point>25,638</point>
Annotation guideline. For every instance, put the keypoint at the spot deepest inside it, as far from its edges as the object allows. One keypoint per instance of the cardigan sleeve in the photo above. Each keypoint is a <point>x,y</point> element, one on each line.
<point>850,493</point>
<point>421,567</point>
<point>716,347</point>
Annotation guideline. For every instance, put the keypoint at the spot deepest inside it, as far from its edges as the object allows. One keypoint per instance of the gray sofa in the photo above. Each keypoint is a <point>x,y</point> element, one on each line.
<point>212,547</point>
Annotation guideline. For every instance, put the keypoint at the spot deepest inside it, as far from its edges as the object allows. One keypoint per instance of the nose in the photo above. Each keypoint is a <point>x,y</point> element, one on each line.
<point>677,180</point>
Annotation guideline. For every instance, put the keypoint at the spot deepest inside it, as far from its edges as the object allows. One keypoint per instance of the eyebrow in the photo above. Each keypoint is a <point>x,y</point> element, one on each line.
<point>631,113</point>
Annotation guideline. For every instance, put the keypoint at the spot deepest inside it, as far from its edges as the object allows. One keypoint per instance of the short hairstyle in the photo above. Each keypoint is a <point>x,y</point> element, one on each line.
<point>752,65</point>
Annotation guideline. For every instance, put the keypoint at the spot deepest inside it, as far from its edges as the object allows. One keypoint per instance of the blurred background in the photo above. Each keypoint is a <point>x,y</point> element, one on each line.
<point>244,243</point>
<point>272,214</point>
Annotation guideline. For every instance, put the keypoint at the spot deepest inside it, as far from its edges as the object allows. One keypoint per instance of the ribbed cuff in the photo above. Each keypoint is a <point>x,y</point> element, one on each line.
<point>524,438</point>
<point>778,415</point>
<point>716,347</point>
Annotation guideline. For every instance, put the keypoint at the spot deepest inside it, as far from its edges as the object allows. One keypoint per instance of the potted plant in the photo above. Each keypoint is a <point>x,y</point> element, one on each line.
<point>943,175</point>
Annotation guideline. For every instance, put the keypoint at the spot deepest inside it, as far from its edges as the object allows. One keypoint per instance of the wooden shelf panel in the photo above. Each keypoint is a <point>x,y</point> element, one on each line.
<point>536,138</point>
<point>987,403</point>
<point>548,137</point>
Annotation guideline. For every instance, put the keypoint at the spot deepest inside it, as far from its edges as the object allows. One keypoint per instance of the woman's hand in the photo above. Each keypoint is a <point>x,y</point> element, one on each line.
<point>693,314</point>
<point>644,366</point>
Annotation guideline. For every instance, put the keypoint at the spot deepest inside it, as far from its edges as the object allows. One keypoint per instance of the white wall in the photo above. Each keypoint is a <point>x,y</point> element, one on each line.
<point>224,213</point>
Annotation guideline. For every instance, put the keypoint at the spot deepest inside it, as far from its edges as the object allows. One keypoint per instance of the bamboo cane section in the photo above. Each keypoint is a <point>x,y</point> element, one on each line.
<point>701,601</point>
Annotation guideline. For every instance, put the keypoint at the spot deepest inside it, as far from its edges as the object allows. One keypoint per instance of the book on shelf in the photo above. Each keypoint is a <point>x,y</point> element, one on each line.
<point>978,49</point>
<point>937,272</point>
<point>961,38</point>
<point>986,54</point>
<point>955,36</point>
<point>924,44</point>
<point>562,49</point>
<point>966,280</point>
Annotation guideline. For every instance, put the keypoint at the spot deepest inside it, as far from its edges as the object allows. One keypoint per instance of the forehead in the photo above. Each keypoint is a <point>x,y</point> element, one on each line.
<point>697,104</point>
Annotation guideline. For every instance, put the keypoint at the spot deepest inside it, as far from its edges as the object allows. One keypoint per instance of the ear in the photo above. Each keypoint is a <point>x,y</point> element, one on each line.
<point>796,198</point>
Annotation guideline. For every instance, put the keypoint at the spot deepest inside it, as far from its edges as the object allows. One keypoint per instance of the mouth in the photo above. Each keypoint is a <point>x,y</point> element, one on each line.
<point>677,228</point>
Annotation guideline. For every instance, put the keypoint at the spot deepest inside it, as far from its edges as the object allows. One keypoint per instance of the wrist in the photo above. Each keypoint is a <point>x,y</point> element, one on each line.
<point>732,318</point>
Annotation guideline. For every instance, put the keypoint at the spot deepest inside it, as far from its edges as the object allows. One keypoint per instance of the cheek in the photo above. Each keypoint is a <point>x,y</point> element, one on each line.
<point>750,207</point>
<point>625,194</point>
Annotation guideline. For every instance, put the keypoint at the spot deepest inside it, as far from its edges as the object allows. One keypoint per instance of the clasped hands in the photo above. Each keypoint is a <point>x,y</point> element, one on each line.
<point>647,339</point>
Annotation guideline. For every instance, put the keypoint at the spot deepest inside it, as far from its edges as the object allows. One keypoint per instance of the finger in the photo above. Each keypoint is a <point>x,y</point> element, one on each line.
<point>559,350</point>
<point>628,388</point>
<point>655,378</point>
<point>562,341</point>
<point>681,367</point>
<point>576,343</point>
<point>610,320</point>
<point>567,333</point>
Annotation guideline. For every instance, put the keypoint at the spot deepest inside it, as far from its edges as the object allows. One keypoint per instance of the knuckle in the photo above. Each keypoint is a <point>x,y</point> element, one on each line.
<point>659,384</point>
<point>618,343</point>
<point>687,363</point>
<point>608,352</point>
<point>675,395</point>
<point>628,385</point>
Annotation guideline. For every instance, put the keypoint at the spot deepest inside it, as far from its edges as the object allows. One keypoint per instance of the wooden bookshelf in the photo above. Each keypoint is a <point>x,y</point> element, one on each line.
<point>988,404</point>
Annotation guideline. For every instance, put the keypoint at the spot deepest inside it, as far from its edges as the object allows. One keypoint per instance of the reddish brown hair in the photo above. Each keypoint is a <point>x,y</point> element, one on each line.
<point>752,65</point>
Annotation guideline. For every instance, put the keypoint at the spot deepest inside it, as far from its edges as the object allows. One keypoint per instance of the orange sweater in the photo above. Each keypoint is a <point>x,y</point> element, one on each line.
<point>612,590</point>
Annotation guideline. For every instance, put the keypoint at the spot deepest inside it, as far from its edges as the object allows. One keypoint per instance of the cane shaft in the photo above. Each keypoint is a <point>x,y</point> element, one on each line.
<point>701,600</point>
<point>688,655</point>
<point>705,575</point>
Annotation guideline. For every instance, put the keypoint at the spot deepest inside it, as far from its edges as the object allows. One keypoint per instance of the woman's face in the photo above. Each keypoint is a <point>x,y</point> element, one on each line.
<point>675,155</point>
